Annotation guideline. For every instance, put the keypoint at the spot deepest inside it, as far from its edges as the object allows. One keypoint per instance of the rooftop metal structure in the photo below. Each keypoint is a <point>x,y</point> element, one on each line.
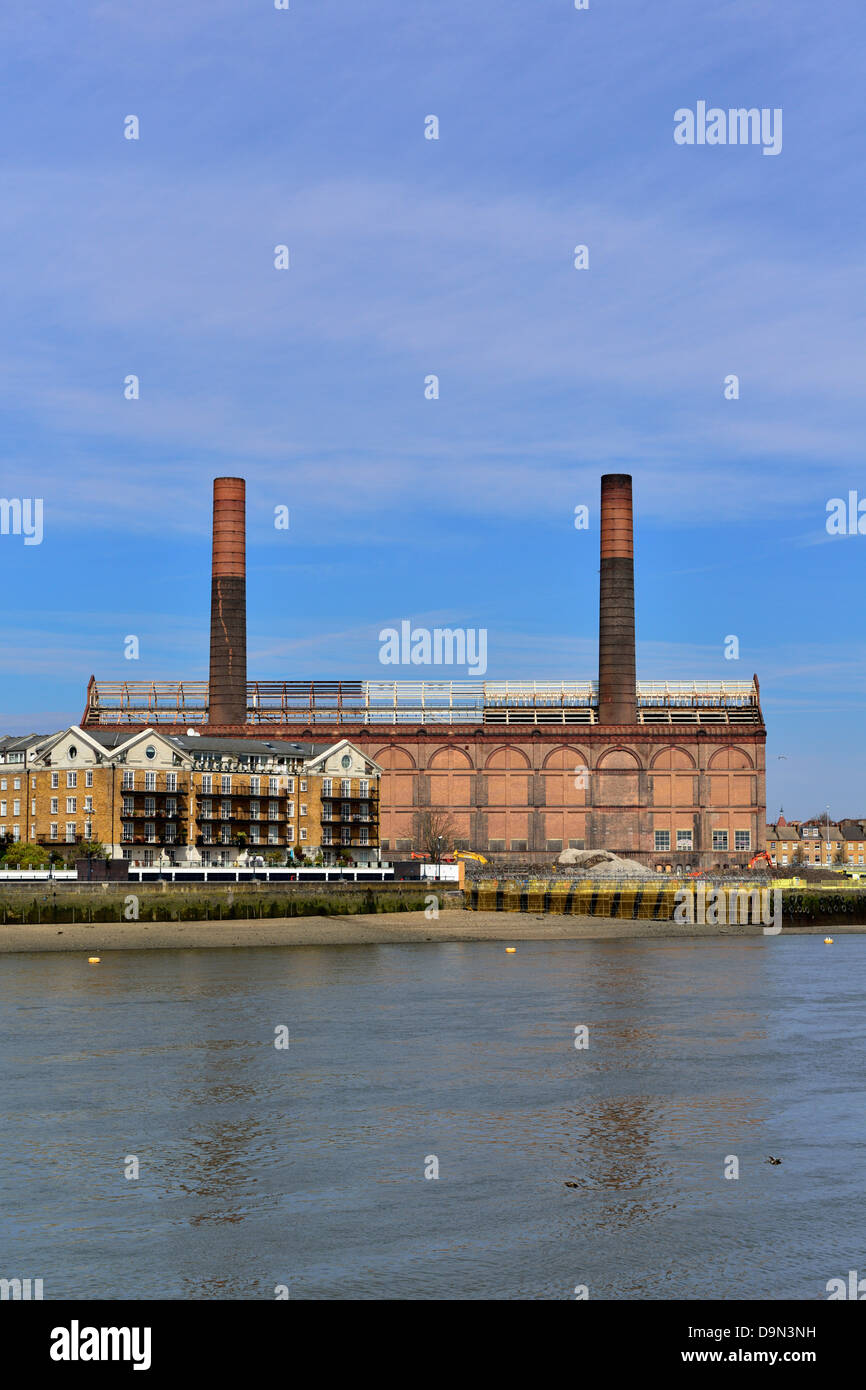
<point>111,703</point>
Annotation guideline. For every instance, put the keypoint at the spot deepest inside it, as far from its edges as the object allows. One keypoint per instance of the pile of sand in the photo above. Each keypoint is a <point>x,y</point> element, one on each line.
<point>600,863</point>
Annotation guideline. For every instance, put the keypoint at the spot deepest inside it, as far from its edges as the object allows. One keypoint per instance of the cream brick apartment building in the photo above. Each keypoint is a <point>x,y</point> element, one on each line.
<point>154,798</point>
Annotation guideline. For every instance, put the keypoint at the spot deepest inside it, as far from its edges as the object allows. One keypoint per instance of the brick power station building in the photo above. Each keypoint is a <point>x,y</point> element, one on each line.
<point>669,772</point>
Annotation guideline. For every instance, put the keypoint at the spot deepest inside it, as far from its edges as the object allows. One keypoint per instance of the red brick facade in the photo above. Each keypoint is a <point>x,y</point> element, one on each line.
<point>518,793</point>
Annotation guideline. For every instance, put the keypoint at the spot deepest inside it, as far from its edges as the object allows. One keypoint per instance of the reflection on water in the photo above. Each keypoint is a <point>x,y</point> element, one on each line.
<point>261,1166</point>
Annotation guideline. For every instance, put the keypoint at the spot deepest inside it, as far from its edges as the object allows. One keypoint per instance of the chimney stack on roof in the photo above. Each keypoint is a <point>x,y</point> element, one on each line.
<point>227,692</point>
<point>617,690</point>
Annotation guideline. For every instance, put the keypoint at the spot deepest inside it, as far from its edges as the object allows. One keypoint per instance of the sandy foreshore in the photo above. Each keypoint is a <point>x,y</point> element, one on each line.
<point>398,927</point>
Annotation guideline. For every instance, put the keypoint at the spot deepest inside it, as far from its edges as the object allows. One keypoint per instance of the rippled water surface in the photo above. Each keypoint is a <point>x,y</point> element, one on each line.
<point>305,1167</point>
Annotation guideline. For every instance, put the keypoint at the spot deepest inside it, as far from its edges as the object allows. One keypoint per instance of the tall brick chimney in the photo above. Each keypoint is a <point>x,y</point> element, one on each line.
<point>617,697</point>
<point>228,604</point>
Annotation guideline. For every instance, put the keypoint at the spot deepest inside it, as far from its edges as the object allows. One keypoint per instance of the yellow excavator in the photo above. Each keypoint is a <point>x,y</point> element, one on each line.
<point>469,854</point>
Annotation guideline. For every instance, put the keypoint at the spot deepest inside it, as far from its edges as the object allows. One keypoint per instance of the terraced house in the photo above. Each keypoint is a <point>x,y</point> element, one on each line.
<point>154,798</point>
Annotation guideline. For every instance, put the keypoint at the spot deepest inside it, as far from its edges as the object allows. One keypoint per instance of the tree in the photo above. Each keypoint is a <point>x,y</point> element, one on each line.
<point>21,854</point>
<point>91,849</point>
<point>433,831</point>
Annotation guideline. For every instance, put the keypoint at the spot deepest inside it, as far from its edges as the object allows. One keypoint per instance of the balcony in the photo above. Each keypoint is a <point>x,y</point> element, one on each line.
<point>158,843</point>
<point>329,818</point>
<point>178,795</point>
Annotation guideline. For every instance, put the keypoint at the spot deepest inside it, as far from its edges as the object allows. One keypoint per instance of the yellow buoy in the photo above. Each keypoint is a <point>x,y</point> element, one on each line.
<point>510,950</point>
<point>93,960</point>
<point>828,941</point>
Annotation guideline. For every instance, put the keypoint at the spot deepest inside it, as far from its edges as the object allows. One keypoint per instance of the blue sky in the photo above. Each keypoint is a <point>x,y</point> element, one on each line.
<point>454,257</point>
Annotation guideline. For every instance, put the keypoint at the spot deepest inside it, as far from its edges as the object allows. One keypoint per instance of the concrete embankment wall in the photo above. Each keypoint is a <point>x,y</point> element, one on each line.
<point>173,902</point>
<point>657,901</point>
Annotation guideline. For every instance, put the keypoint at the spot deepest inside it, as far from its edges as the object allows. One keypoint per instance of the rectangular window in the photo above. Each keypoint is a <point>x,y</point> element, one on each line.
<point>326,786</point>
<point>2,808</point>
<point>88,779</point>
<point>16,808</point>
<point>206,783</point>
<point>345,834</point>
<point>720,839</point>
<point>2,784</point>
<point>662,839</point>
<point>70,832</point>
<point>170,806</point>
<point>206,809</point>
<point>273,810</point>
<point>128,782</point>
<point>225,783</point>
<point>148,858</point>
<point>254,810</point>
<point>326,835</point>
<point>225,810</point>
<point>16,784</point>
<point>205,858</point>
<point>290,810</point>
<point>225,834</point>
<point>274,786</point>
<point>254,835</point>
<point>150,805</point>
<point>54,830</point>
<point>684,839</point>
<point>72,779</point>
<point>33,807</point>
<point>346,810</point>
<point>150,781</point>
<point>346,787</point>
<point>303,832</point>
<point>364,788</point>
<point>55,779</point>
<point>207,834</point>
<point>254,786</point>
<point>290,784</point>
<point>127,854</point>
<point>71,805</point>
<point>303,808</point>
<point>171,781</point>
<point>365,836</point>
<point>127,832</point>
<point>88,830</point>
<point>742,839</point>
<point>16,833</point>
<point>88,803</point>
<point>127,806</point>
<point>149,830</point>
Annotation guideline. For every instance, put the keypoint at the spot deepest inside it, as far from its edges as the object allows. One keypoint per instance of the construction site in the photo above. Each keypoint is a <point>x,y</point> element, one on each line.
<point>667,773</point>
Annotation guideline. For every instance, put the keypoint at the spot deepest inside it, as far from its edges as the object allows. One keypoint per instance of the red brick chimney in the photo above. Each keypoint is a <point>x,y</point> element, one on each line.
<point>617,696</point>
<point>228,605</point>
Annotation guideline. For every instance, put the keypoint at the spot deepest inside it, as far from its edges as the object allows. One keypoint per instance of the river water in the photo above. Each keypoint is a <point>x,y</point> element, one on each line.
<point>304,1167</point>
